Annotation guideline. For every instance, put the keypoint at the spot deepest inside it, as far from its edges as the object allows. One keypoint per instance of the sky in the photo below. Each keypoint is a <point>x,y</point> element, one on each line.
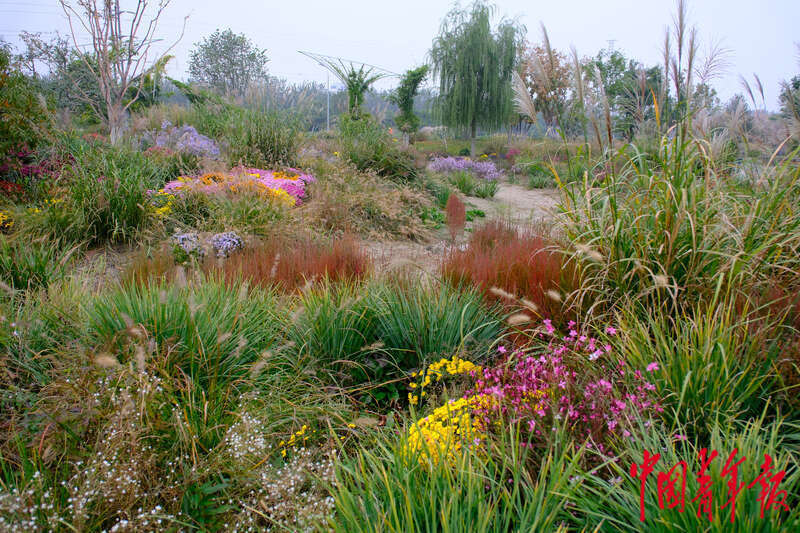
<point>396,35</point>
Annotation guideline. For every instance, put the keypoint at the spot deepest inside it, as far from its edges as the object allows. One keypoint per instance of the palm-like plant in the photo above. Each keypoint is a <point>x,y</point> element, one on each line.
<point>357,81</point>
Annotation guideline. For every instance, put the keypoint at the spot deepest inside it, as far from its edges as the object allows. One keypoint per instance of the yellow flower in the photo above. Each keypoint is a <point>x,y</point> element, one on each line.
<point>445,432</point>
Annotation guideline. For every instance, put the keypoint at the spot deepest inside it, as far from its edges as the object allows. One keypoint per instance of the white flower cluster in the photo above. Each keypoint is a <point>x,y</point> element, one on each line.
<point>292,497</point>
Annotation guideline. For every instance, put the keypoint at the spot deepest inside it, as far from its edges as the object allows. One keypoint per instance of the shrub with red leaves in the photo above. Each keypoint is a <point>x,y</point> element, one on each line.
<point>292,262</point>
<point>456,215</point>
<point>521,264</point>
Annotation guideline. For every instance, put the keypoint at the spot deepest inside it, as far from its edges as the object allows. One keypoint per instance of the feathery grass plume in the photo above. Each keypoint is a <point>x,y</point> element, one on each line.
<point>106,361</point>
<point>518,318</point>
<point>715,63</point>
<point>589,252</point>
<point>500,293</point>
<point>580,89</point>
<point>523,102</point>
<point>553,295</point>
<point>598,76</point>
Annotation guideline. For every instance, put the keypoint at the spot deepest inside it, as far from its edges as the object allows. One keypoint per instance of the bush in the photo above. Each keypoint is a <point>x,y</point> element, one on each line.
<point>521,265</point>
<point>368,146</point>
<point>23,118</point>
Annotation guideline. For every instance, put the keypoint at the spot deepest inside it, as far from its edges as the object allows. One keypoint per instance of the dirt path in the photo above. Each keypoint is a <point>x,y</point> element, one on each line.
<point>515,203</point>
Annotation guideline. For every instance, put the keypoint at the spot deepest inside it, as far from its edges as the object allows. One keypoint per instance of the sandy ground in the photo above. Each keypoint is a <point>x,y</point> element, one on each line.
<point>514,203</point>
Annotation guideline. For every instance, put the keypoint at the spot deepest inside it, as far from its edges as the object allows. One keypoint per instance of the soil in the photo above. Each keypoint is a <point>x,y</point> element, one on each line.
<point>515,203</point>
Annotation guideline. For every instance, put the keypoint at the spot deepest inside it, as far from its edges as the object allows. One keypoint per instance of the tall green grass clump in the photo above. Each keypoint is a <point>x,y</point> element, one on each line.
<point>386,488</point>
<point>669,233</point>
<point>33,263</point>
<point>336,326</point>
<point>610,501</point>
<point>415,320</point>
<point>101,196</point>
<point>262,139</point>
<point>710,363</point>
<point>366,144</point>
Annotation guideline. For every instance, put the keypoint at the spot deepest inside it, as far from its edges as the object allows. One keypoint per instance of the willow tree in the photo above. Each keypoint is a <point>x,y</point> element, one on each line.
<point>473,64</point>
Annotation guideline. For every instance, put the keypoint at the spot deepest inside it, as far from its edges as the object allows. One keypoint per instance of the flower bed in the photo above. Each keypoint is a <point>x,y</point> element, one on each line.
<point>576,382</point>
<point>283,187</point>
<point>480,169</point>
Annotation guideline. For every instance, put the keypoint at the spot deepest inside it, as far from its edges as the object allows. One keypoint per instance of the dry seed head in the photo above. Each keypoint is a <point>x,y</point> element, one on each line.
<point>589,252</point>
<point>223,337</point>
<point>518,318</point>
<point>497,291</point>
<point>180,276</point>
<point>106,361</point>
<point>553,295</point>
<point>530,305</point>
<point>140,357</point>
<point>661,280</point>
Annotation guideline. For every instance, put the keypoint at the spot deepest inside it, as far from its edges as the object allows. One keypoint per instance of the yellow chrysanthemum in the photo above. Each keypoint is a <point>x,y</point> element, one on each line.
<point>445,432</point>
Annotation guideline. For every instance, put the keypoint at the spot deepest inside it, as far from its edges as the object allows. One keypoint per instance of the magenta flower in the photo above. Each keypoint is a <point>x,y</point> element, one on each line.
<point>652,367</point>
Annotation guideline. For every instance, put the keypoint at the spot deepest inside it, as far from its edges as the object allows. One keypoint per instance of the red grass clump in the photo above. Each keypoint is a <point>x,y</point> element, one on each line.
<point>456,215</point>
<point>291,263</point>
<point>521,265</point>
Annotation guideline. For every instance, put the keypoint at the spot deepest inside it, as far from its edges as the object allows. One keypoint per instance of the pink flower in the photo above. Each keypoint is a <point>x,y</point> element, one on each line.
<point>611,330</point>
<point>595,354</point>
<point>501,349</point>
<point>652,367</point>
<point>679,437</point>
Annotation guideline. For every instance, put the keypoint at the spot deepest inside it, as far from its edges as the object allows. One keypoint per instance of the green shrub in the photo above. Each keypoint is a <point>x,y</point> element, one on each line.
<point>368,146</point>
<point>23,118</point>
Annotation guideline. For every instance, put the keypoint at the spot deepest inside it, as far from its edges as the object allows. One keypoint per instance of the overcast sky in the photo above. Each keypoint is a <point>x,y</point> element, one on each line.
<point>397,35</point>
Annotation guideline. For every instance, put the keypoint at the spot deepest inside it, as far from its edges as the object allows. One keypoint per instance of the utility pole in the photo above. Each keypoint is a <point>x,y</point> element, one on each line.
<point>328,118</point>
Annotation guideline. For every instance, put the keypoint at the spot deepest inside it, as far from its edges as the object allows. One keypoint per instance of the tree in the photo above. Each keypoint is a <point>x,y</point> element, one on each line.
<point>547,74</point>
<point>473,65</point>
<point>23,118</point>
<point>227,62</point>
<point>404,96</point>
<point>121,55</point>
